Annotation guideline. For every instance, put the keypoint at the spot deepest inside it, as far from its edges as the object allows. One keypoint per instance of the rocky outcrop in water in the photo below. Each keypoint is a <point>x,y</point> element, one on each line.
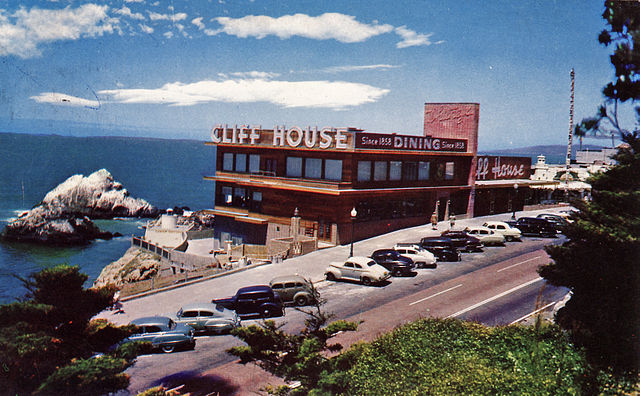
<point>64,216</point>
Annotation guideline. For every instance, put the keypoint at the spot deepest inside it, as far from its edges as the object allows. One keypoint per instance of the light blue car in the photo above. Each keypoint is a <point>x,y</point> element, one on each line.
<point>163,333</point>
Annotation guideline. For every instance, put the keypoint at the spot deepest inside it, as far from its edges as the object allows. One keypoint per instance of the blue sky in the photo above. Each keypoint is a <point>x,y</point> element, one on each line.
<point>173,69</point>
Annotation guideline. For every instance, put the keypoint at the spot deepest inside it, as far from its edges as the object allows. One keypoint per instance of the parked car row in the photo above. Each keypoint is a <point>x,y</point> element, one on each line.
<point>220,316</point>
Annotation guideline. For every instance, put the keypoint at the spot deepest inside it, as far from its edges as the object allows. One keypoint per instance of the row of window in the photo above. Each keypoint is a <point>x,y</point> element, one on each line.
<point>240,197</point>
<point>331,169</point>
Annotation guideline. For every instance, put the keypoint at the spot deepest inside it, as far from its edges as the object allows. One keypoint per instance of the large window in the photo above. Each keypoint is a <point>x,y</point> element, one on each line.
<point>227,161</point>
<point>410,170</point>
<point>395,170</point>
<point>294,166</point>
<point>241,162</point>
<point>449,172</point>
<point>333,169</point>
<point>227,196</point>
<point>423,170</point>
<point>254,163</point>
<point>364,170</point>
<point>313,168</point>
<point>239,197</point>
<point>380,171</point>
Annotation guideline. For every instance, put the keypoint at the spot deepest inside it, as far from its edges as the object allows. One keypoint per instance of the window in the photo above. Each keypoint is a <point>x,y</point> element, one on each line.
<point>227,196</point>
<point>206,313</point>
<point>241,162</point>
<point>364,170</point>
<point>239,197</point>
<point>190,314</point>
<point>410,170</point>
<point>294,166</point>
<point>277,286</point>
<point>380,171</point>
<point>395,170</point>
<point>449,171</point>
<point>333,169</point>
<point>227,161</point>
<point>270,166</point>
<point>313,168</point>
<point>254,163</point>
<point>257,196</point>
<point>348,265</point>
<point>423,170</point>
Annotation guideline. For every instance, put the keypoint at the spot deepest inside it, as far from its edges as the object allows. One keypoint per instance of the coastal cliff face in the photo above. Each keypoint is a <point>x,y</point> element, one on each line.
<point>63,217</point>
<point>135,265</point>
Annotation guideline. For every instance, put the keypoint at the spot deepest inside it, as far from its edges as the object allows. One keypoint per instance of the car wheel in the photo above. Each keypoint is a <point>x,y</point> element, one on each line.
<point>396,272</point>
<point>167,348</point>
<point>508,238</point>
<point>330,276</point>
<point>301,300</point>
<point>366,281</point>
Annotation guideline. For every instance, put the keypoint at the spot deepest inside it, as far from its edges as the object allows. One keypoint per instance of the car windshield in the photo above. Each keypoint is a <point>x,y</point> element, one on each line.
<point>172,324</point>
<point>371,263</point>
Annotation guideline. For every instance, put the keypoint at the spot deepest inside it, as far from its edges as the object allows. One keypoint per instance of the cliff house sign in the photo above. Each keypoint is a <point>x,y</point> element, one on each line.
<point>329,138</point>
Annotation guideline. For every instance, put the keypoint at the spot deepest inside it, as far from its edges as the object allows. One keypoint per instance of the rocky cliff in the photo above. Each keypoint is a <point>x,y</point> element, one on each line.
<point>63,217</point>
<point>135,265</point>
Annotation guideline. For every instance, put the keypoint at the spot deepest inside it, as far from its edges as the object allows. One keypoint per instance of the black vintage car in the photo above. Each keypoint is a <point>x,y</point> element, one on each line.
<point>464,241</point>
<point>393,261</point>
<point>442,247</point>
<point>534,226</point>
<point>254,301</point>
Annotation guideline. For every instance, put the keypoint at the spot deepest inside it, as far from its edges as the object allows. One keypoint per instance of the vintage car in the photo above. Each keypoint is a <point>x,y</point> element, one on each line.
<point>463,241</point>
<point>393,261</point>
<point>421,257</point>
<point>208,318</point>
<point>254,301</point>
<point>509,233</point>
<point>363,269</point>
<point>486,235</point>
<point>163,333</point>
<point>294,289</point>
<point>558,221</point>
<point>534,226</point>
<point>442,247</point>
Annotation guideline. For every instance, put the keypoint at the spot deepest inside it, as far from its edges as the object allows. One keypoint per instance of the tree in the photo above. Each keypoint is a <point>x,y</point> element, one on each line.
<point>50,345</point>
<point>600,263</point>
<point>294,357</point>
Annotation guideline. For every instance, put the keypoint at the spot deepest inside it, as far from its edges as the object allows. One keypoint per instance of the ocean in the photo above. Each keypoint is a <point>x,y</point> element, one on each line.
<point>164,172</point>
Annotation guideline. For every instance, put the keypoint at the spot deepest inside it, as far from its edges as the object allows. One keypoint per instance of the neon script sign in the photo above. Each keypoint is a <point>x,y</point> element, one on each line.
<point>292,137</point>
<point>503,168</point>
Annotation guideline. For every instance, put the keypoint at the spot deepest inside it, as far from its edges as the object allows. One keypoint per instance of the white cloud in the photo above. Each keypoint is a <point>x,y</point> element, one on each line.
<point>146,29</point>
<point>335,95</point>
<point>250,74</point>
<point>168,34</point>
<point>154,16</point>
<point>61,99</point>
<point>198,23</point>
<point>412,39</point>
<point>340,27</point>
<point>22,32</point>
<point>349,68</point>
<point>126,11</point>
<point>134,1</point>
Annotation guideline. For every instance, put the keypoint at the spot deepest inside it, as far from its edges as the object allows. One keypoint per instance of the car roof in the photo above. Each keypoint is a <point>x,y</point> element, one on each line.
<point>497,223</point>
<point>437,239</point>
<point>288,278</point>
<point>199,306</point>
<point>360,260</point>
<point>254,289</point>
<point>151,321</point>
<point>384,251</point>
<point>478,228</point>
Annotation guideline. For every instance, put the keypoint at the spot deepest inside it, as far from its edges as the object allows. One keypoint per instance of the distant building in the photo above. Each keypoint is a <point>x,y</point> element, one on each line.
<point>596,157</point>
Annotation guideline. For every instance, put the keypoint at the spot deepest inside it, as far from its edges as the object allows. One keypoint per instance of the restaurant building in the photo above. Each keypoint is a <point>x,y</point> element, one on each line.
<point>264,176</point>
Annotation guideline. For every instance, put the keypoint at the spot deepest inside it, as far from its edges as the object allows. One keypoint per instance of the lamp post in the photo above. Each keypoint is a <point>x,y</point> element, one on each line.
<point>515,195</point>
<point>354,213</point>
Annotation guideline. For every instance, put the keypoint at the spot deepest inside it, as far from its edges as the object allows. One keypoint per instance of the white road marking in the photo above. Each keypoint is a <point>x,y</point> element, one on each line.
<point>488,300</point>
<point>533,313</point>
<point>516,264</point>
<point>437,294</point>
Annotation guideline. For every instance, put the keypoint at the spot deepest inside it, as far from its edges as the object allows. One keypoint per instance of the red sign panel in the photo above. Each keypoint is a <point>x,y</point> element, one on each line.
<point>492,167</point>
<point>379,141</point>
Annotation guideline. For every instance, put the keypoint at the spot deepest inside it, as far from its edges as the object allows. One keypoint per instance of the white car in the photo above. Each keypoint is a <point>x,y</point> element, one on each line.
<point>486,235</point>
<point>509,233</point>
<point>362,269</point>
<point>421,257</point>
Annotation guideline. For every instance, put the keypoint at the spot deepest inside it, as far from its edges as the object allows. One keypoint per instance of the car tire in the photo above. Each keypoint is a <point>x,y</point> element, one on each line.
<point>168,348</point>
<point>330,276</point>
<point>366,281</point>
<point>396,272</point>
<point>301,301</point>
<point>508,238</point>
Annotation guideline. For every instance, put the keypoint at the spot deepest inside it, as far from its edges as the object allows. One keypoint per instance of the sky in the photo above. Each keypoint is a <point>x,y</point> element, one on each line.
<point>174,69</point>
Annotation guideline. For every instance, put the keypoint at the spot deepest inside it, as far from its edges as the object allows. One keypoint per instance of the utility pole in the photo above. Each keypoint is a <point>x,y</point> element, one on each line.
<point>568,160</point>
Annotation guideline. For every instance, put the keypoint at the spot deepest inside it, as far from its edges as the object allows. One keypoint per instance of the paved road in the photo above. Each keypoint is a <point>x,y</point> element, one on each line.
<point>348,300</point>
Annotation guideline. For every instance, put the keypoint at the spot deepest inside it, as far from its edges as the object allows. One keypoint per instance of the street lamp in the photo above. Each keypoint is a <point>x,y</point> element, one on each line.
<point>354,213</point>
<point>515,195</point>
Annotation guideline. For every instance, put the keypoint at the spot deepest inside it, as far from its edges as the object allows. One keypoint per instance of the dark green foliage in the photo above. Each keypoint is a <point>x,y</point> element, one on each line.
<point>451,357</point>
<point>600,266</point>
<point>47,340</point>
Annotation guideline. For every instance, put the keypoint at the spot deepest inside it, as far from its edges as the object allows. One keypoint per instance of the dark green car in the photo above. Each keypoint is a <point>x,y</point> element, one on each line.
<point>294,289</point>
